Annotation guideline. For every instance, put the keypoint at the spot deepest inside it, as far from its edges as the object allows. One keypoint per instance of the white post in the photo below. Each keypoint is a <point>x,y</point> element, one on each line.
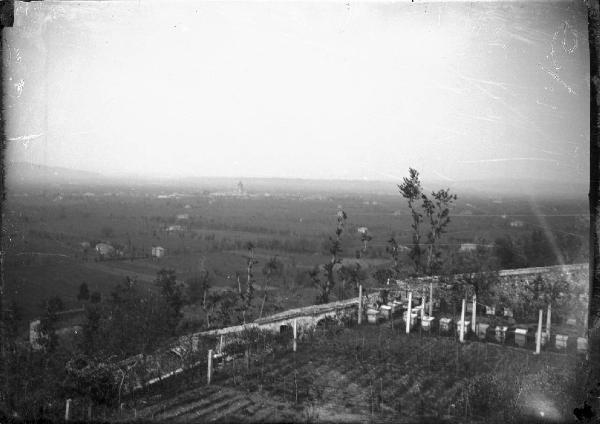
<point>422,306</point>
<point>295,332</point>
<point>430,299</point>
<point>68,409</point>
<point>360,313</point>
<point>462,321</point>
<point>538,339</point>
<point>408,313</point>
<point>473,327</point>
<point>209,373</point>
<point>549,321</point>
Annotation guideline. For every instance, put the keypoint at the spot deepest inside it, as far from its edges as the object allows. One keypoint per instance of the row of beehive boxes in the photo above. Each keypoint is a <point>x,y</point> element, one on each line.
<point>521,334</point>
<point>500,332</point>
<point>388,310</point>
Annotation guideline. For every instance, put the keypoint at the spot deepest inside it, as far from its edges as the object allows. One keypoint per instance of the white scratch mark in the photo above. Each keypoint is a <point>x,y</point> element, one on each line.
<point>25,137</point>
<point>509,160</point>
<point>546,104</point>
<point>19,87</point>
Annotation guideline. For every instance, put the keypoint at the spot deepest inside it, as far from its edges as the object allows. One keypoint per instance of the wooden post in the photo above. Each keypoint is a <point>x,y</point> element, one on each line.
<point>473,327</point>
<point>538,339</point>
<point>462,321</point>
<point>221,344</point>
<point>431,299</point>
<point>209,372</point>
<point>408,313</point>
<point>549,321</point>
<point>68,409</point>
<point>360,304</point>
<point>295,332</point>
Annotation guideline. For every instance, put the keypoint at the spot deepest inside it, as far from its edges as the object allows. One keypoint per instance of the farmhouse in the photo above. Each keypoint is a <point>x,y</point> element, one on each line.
<point>158,252</point>
<point>468,247</point>
<point>104,249</point>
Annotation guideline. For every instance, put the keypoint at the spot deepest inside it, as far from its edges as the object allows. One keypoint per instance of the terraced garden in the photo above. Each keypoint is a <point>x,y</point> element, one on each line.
<point>379,374</point>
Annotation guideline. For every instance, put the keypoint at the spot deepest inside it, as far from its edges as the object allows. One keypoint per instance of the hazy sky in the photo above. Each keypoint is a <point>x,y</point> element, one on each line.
<point>290,89</point>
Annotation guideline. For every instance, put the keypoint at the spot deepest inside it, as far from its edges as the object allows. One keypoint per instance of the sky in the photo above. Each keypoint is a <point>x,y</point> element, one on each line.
<point>341,90</point>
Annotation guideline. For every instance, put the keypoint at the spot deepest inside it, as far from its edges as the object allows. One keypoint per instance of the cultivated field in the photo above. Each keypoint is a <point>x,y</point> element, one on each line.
<point>376,374</point>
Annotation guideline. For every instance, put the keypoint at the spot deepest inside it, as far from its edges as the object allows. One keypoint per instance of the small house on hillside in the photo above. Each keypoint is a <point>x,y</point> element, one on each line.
<point>468,247</point>
<point>105,249</point>
<point>183,216</point>
<point>158,252</point>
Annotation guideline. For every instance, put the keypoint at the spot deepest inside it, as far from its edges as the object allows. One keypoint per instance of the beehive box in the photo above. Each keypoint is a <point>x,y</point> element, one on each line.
<point>386,311</point>
<point>427,323</point>
<point>372,315</point>
<point>521,336</point>
<point>561,341</point>
<point>501,331</point>
<point>482,330</point>
<point>446,324</point>
<point>582,344</point>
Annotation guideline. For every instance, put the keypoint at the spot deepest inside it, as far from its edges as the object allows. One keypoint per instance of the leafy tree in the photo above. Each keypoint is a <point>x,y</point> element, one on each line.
<point>273,267</point>
<point>172,294</point>
<point>47,328</point>
<point>249,294</point>
<point>509,253</point>
<point>351,274</point>
<point>84,293</point>
<point>198,288</point>
<point>393,249</point>
<point>411,190</point>
<point>437,211</point>
<point>325,286</point>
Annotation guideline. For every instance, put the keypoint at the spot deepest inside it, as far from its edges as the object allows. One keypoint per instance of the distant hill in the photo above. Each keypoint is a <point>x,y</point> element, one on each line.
<point>23,173</point>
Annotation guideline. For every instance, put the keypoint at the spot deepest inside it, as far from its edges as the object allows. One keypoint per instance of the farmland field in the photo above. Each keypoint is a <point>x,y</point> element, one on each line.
<point>378,374</point>
<point>45,229</point>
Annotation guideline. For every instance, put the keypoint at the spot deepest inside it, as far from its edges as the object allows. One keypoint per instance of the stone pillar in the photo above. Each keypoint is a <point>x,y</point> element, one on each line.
<point>431,299</point>
<point>409,313</point>
<point>68,409</point>
<point>538,339</point>
<point>360,311</point>
<point>473,325</point>
<point>462,321</point>
<point>549,321</point>
<point>209,371</point>
<point>295,333</point>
